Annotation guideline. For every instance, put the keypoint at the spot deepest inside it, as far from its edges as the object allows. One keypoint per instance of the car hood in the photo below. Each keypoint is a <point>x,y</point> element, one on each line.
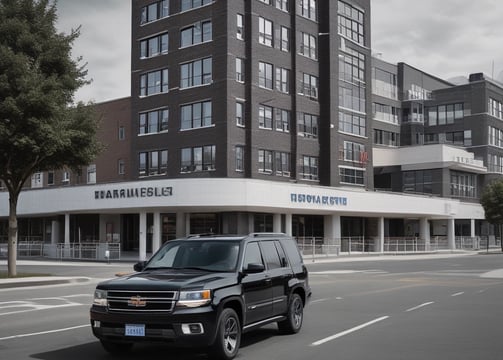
<point>149,280</point>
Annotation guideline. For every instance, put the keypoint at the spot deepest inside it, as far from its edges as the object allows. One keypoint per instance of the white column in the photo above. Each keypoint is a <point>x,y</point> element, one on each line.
<point>251,223</point>
<point>276,223</point>
<point>380,236</point>
<point>332,230</point>
<point>180,225</point>
<point>54,232</point>
<point>143,236</point>
<point>451,239</point>
<point>472,228</point>
<point>187,224</point>
<point>67,229</point>
<point>424,233</point>
<point>288,224</point>
<point>156,235</point>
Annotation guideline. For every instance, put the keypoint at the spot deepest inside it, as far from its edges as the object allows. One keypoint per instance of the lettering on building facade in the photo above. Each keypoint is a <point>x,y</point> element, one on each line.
<point>319,199</point>
<point>140,192</point>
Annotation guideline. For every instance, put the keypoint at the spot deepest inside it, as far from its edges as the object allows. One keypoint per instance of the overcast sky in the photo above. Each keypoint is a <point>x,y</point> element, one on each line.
<point>446,38</point>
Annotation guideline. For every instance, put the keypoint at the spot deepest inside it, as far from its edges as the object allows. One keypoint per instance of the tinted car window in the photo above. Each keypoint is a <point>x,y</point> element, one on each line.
<point>271,255</point>
<point>281,253</point>
<point>252,254</point>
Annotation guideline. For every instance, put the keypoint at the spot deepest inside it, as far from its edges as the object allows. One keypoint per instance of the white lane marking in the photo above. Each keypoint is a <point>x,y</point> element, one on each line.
<point>43,332</point>
<point>318,300</point>
<point>420,306</point>
<point>36,304</point>
<point>344,272</point>
<point>457,294</point>
<point>349,331</point>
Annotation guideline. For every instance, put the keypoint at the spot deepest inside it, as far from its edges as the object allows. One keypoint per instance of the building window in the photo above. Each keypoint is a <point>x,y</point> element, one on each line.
<point>122,133</point>
<point>420,182</point>
<point>240,70</point>
<point>282,120</point>
<point>309,167</point>
<point>354,152</point>
<point>282,163</point>
<point>386,138</point>
<point>154,82</point>
<point>351,176</point>
<point>91,174</point>
<point>282,5</point>
<point>495,164</point>
<point>50,178</point>
<point>66,178</point>
<point>384,84</point>
<point>307,125</point>
<point>121,166</point>
<point>283,38</point>
<point>352,96</point>
<point>350,23</point>
<point>196,34</point>
<point>415,113</point>
<point>153,163</point>
<point>265,117</point>
<point>201,158</point>
<point>352,66</point>
<point>462,184</point>
<point>307,46</point>
<point>352,124</point>
<point>240,155</point>
<point>240,113</point>
<point>37,180</point>
<point>307,9</point>
<point>154,11</point>
<point>444,114</point>
<point>154,46</point>
<point>496,108</point>
<point>495,137</point>
<point>196,73</point>
<point>240,27</point>
<point>265,31</point>
<point>385,113</point>
<point>152,122</point>
<point>196,115</point>
<point>191,4</point>
<point>265,75</point>
<point>309,86</point>
<point>283,80</point>
<point>265,161</point>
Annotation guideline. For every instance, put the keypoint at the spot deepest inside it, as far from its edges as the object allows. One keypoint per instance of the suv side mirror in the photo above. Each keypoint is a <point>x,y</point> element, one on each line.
<point>254,268</point>
<point>139,266</point>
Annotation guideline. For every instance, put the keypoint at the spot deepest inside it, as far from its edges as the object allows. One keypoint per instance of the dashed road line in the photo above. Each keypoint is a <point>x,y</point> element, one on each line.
<point>43,332</point>
<point>458,294</point>
<point>420,306</point>
<point>349,331</point>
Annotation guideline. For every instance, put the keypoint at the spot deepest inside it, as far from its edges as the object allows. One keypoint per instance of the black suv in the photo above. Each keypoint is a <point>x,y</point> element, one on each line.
<point>204,290</point>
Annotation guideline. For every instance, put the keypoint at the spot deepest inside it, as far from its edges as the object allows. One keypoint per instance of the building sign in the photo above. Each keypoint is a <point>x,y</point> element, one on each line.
<point>320,200</point>
<point>141,192</point>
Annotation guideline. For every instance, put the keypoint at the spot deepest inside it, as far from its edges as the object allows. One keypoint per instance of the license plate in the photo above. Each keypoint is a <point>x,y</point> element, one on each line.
<point>135,330</point>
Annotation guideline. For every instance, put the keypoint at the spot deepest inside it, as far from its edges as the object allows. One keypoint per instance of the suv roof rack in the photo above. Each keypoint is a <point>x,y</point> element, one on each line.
<point>267,234</point>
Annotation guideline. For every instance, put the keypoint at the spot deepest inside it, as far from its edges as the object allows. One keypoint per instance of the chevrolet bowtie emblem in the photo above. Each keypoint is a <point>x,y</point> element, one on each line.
<point>137,301</point>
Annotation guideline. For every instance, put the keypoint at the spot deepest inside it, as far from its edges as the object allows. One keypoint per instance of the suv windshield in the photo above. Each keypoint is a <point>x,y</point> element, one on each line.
<point>194,254</point>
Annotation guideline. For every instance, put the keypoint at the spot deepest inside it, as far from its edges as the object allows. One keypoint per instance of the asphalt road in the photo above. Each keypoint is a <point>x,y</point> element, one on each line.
<point>403,308</point>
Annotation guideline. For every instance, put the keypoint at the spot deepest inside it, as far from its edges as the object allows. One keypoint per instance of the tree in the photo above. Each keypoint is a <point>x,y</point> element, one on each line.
<point>492,202</point>
<point>41,128</point>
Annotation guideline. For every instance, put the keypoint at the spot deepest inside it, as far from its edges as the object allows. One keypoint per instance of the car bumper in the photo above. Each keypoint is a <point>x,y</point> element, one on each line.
<point>194,327</point>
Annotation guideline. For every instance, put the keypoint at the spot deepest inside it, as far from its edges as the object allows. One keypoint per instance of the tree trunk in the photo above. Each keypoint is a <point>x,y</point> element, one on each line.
<point>12,247</point>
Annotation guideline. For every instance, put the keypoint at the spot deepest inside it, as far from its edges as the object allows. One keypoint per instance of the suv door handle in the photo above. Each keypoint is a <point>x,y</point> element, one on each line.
<point>268,280</point>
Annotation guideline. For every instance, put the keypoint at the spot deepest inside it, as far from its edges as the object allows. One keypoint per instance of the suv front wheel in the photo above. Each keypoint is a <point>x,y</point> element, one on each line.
<point>228,337</point>
<point>294,317</point>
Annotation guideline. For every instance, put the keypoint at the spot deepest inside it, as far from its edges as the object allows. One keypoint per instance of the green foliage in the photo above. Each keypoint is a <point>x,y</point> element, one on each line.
<point>492,202</point>
<point>40,127</point>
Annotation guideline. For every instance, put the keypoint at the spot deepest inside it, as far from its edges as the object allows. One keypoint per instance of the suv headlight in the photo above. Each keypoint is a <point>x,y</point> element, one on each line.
<point>100,297</point>
<point>194,298</point>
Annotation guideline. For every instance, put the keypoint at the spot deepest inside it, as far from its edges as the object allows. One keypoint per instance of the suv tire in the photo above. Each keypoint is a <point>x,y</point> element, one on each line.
<point>294,317</point>
<point>228,336</point>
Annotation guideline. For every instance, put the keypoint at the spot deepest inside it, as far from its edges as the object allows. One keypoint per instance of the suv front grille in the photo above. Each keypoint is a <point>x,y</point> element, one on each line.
<point>141,301</point>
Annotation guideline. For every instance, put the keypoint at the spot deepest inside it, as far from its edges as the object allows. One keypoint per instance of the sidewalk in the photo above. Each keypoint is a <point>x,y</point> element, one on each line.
<point>308,259</point>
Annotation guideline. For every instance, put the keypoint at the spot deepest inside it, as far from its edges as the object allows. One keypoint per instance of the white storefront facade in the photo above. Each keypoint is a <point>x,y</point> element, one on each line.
<point>236,201</point>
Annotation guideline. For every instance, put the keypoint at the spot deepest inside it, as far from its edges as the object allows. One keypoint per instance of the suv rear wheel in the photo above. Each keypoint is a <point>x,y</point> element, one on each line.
<point>294,317</point>
<point>228,337</point>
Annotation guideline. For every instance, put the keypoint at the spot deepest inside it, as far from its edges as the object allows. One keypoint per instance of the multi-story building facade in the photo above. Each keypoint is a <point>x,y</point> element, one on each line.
<point>264,115</point>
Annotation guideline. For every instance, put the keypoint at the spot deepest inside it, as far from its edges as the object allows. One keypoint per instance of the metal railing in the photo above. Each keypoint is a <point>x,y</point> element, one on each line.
<point>89,251</point>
